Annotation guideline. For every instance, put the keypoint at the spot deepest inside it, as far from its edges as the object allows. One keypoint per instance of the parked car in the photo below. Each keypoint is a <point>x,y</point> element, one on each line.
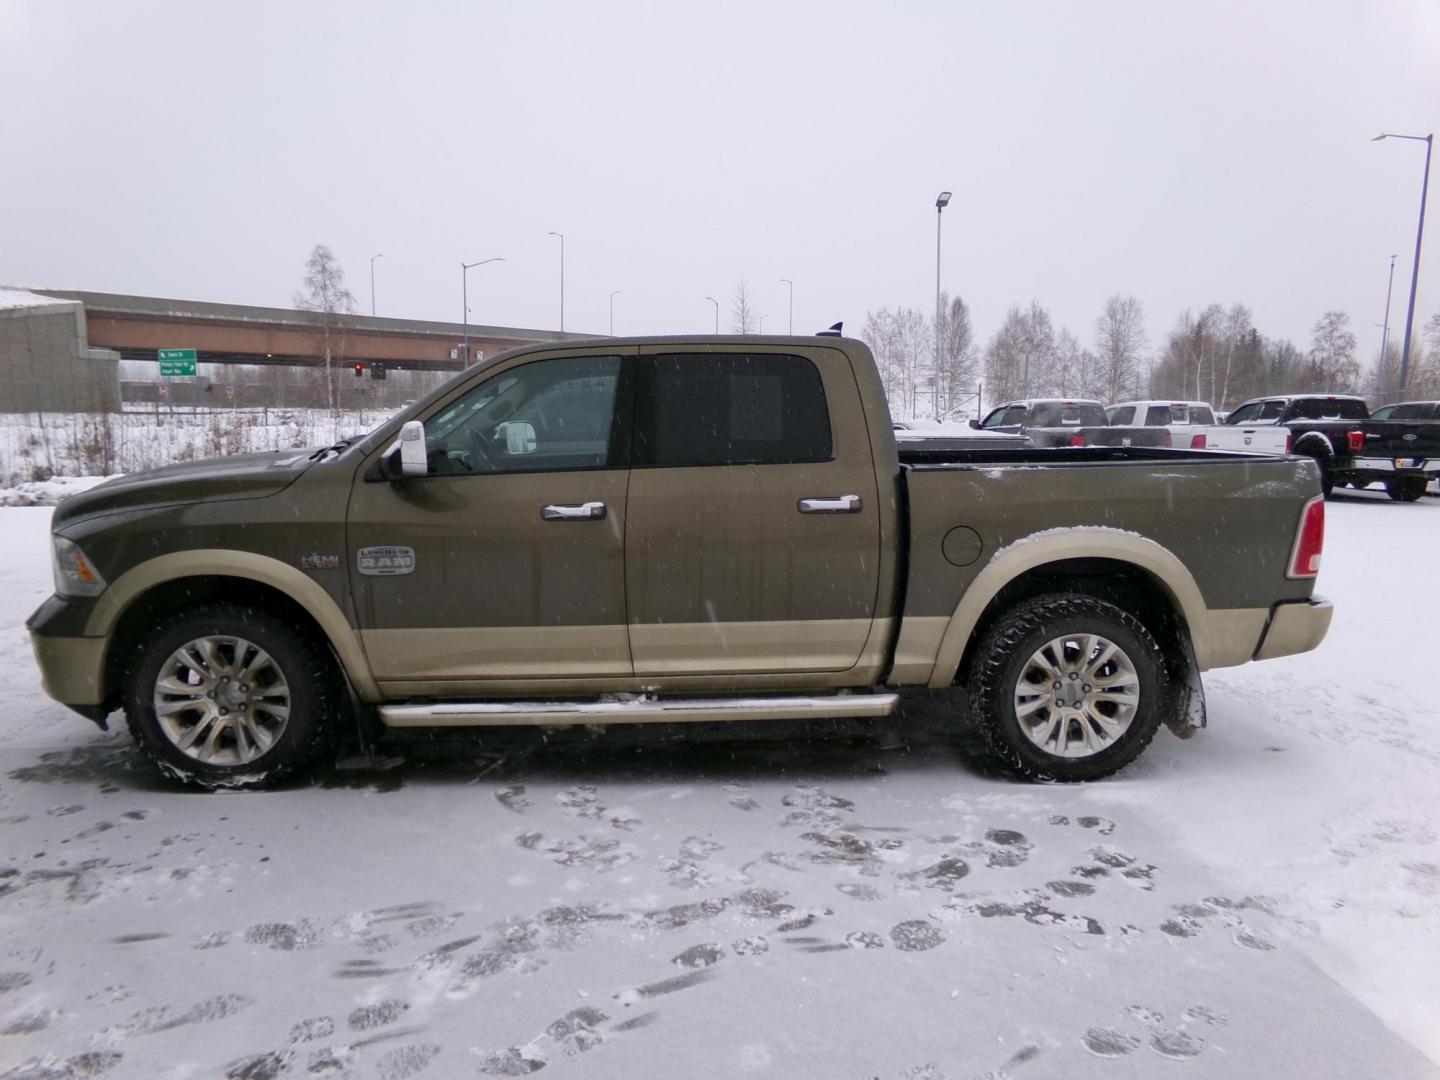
<point>1066,422</point>
<point>1336,430</point>
<point>644,530</point>
<point>1185,420</point>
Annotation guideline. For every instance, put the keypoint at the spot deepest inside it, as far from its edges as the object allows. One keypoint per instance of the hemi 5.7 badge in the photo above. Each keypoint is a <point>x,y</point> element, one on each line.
<point>319,562</point>
<point>386,561</point>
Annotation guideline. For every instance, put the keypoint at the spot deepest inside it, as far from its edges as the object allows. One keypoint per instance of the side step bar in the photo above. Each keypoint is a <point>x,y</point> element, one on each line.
<point>638,710</point>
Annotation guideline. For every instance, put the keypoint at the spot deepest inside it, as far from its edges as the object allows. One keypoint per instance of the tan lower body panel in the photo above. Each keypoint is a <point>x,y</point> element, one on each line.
<point>637,711</point>
<point>71,668</point>
<point>489,652</point>
<point>758,648</point>
<point>1296,628</point>
<point>1232,636</point>
<point>915,652</point>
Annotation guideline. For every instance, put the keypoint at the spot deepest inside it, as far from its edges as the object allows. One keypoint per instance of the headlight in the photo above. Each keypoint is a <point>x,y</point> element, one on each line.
<point>75,575</point>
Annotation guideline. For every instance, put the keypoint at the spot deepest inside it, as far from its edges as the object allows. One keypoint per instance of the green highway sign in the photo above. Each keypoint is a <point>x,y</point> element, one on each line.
<point>176,362</point>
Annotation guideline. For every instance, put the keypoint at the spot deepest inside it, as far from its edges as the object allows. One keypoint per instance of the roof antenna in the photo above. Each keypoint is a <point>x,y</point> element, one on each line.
<point>838,330</point>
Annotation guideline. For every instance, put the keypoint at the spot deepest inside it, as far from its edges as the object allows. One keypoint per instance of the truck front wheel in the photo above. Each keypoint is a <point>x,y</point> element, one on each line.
<point>229,696</point>
<point>1067,687</point>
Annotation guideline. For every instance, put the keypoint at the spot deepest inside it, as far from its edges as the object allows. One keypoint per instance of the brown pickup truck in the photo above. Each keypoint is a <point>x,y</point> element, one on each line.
<point>642,530</point>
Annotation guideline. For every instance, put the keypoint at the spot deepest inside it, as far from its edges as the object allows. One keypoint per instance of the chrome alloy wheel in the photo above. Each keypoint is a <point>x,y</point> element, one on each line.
<point>221,700</point>
<point>1077,695</point>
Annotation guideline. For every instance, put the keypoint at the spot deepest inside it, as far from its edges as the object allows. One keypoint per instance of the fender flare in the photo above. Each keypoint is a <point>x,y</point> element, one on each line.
<point>1311,438</point>
<point>1057,545</point>
<point>244,566</point>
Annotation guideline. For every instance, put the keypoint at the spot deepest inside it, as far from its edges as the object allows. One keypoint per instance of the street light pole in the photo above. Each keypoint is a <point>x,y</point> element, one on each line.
<point>561,235</point>
<point>717,312</point>
<point>941,202</point>
<point>791,328</point>
<point>372,280</point>
<point>465,269</point>
<point>612,311</point>
<point>1428,140</point>
<point>1385,333</point>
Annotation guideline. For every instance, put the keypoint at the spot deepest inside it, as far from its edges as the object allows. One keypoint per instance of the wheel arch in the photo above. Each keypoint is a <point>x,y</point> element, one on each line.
<point>1113,564</point>
<point>168,583</point>
<point>1314,444</point>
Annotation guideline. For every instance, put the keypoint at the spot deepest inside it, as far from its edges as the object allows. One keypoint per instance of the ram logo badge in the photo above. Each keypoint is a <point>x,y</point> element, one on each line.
<point>386,561</point>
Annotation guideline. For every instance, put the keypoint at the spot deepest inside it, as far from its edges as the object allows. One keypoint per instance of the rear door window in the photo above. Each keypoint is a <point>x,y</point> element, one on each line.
<point>1271,410</point>
<point>706,409</point>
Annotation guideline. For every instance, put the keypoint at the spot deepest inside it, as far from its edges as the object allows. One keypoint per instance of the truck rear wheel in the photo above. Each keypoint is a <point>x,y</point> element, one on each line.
<point>1406,488</point>
<point>229,696</point>
<point>1067,687</point>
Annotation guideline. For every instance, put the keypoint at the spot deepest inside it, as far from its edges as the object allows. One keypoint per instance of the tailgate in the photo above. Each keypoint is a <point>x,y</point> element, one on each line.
<point>1402,438</point>
<point>1258,439</point>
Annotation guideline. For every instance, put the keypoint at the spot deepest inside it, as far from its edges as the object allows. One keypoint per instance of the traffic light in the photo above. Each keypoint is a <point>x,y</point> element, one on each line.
<point>359,370</point>
<point>377,369</point>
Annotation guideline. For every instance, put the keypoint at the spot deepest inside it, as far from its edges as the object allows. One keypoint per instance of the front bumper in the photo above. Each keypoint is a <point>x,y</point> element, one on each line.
<point>1295,626</point>
<point>72,666</point>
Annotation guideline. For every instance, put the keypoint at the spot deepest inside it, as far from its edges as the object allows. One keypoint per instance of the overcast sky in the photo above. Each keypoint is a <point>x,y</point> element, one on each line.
<point>1188,153</point>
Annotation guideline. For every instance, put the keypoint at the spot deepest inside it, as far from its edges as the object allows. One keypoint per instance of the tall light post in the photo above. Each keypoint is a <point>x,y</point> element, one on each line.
<point>612,311</point>
<point>761,331</point>
<point>465,269</point>
<point>791,327</point>
<point>1385,332</point>
<point>941,201</point>
<point>717,312</point>
<point>561,235</point>
<point>372,280</point>
<point>1428,140</point>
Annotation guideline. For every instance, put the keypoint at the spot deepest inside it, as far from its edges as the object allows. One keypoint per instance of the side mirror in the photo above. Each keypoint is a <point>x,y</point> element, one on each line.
<point>412,449</point>
<point>519,437</point>
<point>975,424</point>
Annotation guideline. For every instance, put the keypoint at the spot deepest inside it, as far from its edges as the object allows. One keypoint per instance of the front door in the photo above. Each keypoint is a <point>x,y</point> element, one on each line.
<point>507,560</point>
<point>753,533</point>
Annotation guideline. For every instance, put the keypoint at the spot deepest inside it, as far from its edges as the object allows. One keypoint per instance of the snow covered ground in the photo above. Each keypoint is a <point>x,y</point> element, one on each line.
<point>1261,901</point>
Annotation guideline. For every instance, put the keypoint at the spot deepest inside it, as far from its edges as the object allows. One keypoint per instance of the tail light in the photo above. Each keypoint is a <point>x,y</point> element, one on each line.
<point>1289,442</point>
<point>1309,540</point>
<point>1077,440</point>
<point>1356,440</point>
<point>1197,442</point>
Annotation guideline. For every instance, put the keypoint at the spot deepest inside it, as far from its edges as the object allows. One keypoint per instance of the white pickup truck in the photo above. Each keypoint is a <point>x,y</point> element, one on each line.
<point>1188,422</point>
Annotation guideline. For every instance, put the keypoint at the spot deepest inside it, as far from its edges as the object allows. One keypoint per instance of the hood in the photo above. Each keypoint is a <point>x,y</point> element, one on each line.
<point>247,476</point>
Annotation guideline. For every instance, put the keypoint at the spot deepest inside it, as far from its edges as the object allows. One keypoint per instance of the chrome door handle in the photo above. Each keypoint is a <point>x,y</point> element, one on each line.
<point>842,504</point>
<point>586,511</point>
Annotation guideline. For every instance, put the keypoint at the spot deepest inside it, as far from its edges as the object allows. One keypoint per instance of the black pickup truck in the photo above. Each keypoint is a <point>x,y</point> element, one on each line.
<point>1067,422</point>
<point>1350,448</point>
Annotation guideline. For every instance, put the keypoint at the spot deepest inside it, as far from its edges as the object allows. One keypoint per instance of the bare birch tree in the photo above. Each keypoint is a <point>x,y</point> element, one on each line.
<point>323,291</point>
<point>1119,341</point>
<point>743,316</point>
<point>955,370</point>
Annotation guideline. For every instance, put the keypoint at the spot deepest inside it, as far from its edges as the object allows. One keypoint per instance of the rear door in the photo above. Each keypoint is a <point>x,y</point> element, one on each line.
<point>753,531</point>
<point>507,561</point>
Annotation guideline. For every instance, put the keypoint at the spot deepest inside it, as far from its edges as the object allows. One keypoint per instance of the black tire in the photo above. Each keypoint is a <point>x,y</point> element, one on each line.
<point>1327,472</point>
<point>1406,488</point>
<point>1005,654</point>
<point>300,677</point>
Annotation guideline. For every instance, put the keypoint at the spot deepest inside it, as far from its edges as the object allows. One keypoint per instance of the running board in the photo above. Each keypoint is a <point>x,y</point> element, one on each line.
<point>634,711</point>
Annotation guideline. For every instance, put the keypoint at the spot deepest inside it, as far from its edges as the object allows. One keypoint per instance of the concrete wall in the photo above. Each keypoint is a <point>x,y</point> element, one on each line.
<point>45,365</point>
